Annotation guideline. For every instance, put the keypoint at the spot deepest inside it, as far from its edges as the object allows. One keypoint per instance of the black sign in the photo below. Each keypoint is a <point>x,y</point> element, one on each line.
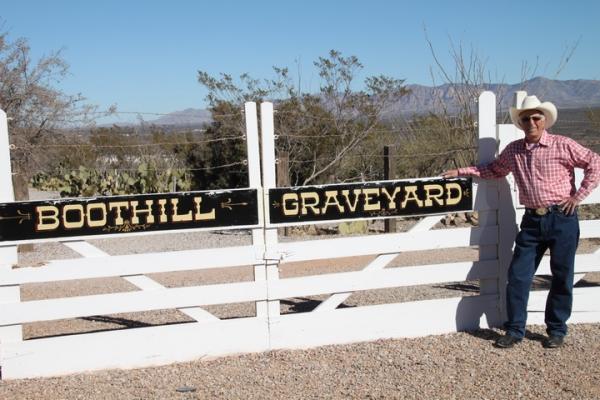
<point>122,214</point>
<point>369,200</point>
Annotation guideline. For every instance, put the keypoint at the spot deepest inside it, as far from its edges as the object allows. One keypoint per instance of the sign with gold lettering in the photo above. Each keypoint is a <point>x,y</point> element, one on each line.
<point>308,204</point>
<point>120,214</point>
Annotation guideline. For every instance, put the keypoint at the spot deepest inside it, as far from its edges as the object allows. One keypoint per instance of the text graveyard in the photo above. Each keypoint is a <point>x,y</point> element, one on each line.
<point>121,214</point>
<point>369,200</point>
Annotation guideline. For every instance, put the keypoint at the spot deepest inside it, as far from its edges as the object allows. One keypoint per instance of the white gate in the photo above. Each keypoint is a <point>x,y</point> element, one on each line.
<point>269,328</point>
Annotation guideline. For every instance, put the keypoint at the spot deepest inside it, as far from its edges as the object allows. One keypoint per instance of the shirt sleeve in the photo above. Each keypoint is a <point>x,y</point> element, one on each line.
<point>498,168</point>
<point>589,161</point>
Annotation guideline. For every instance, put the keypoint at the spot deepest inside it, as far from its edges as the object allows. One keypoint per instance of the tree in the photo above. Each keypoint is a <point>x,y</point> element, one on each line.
<point>217,160</point>
<point>317,131</point>
<point>36,109</point>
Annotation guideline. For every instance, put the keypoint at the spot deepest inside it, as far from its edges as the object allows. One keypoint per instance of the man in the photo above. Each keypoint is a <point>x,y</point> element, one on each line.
<point>543,167</point>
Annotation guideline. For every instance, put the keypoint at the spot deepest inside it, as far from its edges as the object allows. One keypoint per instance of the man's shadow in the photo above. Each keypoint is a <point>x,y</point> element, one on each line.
<point>476,313</point>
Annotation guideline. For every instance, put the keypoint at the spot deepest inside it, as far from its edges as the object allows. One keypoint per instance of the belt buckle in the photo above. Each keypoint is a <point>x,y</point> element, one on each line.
<point>541,211</point>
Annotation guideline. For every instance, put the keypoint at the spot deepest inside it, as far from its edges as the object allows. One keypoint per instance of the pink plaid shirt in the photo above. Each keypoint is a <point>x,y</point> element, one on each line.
<point>544,174</point>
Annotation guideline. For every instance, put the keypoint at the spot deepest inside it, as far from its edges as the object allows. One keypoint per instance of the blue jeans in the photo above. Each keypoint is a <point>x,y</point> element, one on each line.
<point>560,234</point>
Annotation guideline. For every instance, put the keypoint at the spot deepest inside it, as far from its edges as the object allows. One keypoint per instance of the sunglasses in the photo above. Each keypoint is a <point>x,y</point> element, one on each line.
<point>535,118</point>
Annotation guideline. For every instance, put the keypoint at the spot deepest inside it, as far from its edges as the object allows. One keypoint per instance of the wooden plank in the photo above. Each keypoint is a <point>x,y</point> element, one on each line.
<point>143,282</point>
<point>425,224</point>
<point>585,299</point>
<point>583,263</point>
<point>350,325</point>
<point>382,260</point>
<point>133,348</point>
<point>73,307</point>
<point>338,298</point>
<point>589,229</point>
<point>140,281</point>
<point>133,264</point>
<point>8,254</point>
<point>269,181</point>
<point>84,248</point>
<point>537,318</point>
<point>254,181</point>
<point>389,243</point>
<point>388,278</point>
<point>486,196</point>
<point>10,332</point>
<point>486,152</point>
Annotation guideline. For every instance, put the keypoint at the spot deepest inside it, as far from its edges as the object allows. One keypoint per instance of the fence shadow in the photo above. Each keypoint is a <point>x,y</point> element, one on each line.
<point>122,326</point>
<point>124,322</point>
<point>488,309</point>
<point>585,283</point>
<point>468,287</point>
<point>304,304</point>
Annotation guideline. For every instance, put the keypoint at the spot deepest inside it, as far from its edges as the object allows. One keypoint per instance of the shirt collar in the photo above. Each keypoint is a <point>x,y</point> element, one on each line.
<point>545,140</point>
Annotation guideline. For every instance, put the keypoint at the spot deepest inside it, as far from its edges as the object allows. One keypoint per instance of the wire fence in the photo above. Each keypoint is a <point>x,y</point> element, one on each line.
<point>288,126</point>
<point>126,145</point>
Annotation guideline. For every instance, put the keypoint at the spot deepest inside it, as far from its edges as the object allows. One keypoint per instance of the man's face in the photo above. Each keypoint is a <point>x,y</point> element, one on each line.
<point>533,123</point>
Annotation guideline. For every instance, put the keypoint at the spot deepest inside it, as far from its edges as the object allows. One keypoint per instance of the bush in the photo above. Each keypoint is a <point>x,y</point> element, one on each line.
<point>89,182</point>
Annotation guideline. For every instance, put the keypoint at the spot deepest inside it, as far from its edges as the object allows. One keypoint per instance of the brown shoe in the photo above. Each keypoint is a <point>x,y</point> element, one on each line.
<point>507,341</point>
<point>553,342</point>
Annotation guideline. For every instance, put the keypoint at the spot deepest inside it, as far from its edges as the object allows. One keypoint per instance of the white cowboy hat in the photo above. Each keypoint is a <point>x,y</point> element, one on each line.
<point>532,103</point>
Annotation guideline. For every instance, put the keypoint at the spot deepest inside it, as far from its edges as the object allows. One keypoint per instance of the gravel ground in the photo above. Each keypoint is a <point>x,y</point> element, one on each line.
<point>456,366</point>
<point>462,365</point>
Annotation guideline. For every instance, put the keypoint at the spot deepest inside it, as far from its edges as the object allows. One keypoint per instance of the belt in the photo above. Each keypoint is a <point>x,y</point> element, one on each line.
<point>543,210</point>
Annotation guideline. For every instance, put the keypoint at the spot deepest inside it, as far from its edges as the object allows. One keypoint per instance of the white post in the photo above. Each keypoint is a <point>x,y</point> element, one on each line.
<point>486,153</point>
<point>267,129</point>
<point>254,181</point>
<point>8,254</point>
<point>508,215</point>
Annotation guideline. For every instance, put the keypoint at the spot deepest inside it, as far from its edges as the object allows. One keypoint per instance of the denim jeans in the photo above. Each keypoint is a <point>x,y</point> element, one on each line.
<point>560,234</point>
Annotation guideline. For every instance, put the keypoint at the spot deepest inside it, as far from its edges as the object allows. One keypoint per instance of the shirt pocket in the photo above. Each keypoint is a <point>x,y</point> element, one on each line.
<point>548,167</point>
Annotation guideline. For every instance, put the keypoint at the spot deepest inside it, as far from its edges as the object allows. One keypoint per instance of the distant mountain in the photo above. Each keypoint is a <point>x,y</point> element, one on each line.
<point>564,94</point>
<point>188,117</point>
<point>571,94</point>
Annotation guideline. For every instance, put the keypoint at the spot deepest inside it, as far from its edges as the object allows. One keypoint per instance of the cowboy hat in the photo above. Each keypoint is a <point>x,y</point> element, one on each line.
<point>532,103</point>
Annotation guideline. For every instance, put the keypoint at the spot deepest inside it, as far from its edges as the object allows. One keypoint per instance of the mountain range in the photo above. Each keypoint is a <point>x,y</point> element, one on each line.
<point>568,94</point>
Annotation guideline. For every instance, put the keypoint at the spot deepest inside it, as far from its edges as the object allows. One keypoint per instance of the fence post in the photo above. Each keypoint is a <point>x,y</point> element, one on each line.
<point>254,181</point>
<point>8,254</point>
<point>267,130</point>
<point>389,173</point>
<point>508,215</point>
<point>486,153</point>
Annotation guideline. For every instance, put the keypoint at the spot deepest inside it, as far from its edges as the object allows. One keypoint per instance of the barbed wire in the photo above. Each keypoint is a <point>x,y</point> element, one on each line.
<point>379,155</point>
<point>109,113</point>
<point>401,130</point>
<point>116,135</point>
<point>121,169</point>
<point>137,145</point>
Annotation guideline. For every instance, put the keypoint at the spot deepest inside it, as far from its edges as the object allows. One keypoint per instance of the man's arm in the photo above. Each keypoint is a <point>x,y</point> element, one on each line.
<point>498,168</point>
<point>589,161</point>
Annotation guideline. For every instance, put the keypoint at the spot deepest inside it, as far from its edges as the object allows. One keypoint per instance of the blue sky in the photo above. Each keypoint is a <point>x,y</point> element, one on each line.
<point>144,55</point>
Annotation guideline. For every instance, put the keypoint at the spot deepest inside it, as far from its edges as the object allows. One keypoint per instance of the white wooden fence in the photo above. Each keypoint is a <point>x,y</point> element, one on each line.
<point>269,329</point>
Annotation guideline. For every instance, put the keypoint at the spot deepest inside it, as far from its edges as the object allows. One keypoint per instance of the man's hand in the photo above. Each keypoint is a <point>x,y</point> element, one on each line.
<point>451,173</point>
<point>568,206</point>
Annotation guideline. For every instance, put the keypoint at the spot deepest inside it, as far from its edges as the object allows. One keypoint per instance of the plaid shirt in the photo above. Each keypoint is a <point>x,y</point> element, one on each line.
<point>545,173</point>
